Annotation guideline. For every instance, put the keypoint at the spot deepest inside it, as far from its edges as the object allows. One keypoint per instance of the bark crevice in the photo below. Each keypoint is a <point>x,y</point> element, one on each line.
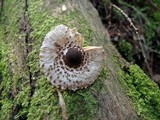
<point>24,30</point>
<point>27,30</point>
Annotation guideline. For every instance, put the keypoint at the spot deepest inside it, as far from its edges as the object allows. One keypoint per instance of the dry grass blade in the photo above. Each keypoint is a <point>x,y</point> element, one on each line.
<point>63,105</point>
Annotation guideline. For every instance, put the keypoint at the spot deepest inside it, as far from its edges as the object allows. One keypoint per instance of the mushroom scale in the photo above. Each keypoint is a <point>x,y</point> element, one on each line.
<point>66,63</point>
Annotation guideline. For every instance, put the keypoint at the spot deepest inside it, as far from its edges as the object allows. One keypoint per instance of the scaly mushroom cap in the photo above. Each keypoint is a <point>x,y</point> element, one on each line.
<point>66,63</point>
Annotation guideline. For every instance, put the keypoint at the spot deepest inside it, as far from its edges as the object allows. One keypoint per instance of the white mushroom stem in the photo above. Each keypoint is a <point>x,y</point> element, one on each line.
<point>63,105</point>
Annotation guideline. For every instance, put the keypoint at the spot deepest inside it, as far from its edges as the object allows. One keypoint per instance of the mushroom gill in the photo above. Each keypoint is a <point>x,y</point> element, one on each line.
<point>66,63</point>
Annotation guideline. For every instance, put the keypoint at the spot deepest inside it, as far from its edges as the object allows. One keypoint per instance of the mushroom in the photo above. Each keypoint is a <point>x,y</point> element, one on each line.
<point>66,63</point>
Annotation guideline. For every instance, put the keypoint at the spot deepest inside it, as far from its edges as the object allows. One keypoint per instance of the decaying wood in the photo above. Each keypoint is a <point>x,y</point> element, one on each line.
<point>114,105</point>
<point>113,102</point>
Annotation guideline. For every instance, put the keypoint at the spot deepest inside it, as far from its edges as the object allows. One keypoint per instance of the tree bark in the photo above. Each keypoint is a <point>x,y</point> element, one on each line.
<point>26,94</point>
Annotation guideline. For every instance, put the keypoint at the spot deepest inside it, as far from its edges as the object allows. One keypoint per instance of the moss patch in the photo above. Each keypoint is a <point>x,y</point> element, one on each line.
<point>9,37</point>
<point>16,101</point>
<point>81,104</point>
<point>143,91</point>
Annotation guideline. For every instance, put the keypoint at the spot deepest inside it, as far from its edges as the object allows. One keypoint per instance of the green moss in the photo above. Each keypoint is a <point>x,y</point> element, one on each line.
<point>6,102</point>
<point>143,91</point>
<point>14,86</point>
<point>81,104</point>
<point>16,89</point>
<point>44,102</point>
<point>126,50</point>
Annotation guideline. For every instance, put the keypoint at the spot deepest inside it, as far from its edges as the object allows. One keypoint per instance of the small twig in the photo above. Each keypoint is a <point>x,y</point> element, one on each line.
<point>63,106</point>
<point>152,50</point>
<point>143,48</point>
<point>137,11</point>
<point>153,4</point>
<point>126,16</point>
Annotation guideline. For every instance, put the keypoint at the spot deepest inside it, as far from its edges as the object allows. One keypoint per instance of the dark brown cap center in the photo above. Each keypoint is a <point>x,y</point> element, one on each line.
<point>73,58</point>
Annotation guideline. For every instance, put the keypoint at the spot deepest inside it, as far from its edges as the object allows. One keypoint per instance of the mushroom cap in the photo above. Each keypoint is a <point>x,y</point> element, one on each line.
<point>66,63</point>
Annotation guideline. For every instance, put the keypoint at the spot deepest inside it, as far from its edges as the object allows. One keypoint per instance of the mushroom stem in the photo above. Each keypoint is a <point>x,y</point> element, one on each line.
<point>63,106</point>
